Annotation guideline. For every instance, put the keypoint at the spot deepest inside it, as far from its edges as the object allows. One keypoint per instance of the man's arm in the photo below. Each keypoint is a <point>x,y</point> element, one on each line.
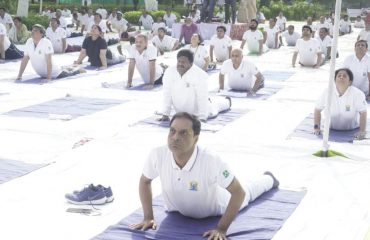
<point>49,66</point>
<point>175,45</point>
<point>368,95</point>
<point>103,58</point>
<point>2,50</point>
<point>145,192</point>
<point>319,60</point>
<point>276,40</point>
<point>152,71</point>
<point>221,81</point>
<point>23,66</point>
<point>259,80</point>
<point>261,47</point>
<point>361,134</point>
<point>317,121</point>
<point>328,53</point>
<point>64,45</point>
<point>230,49</point>
<point>211,47</point>
<point>81,56</point>
<point>236,200</point>
<point>294,59</point>
<point>242,45</point>
<point>131,68</point>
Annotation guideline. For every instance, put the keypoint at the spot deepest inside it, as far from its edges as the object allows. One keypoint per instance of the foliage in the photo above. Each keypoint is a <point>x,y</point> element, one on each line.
<point>33,19</point>
<point>133,16</point>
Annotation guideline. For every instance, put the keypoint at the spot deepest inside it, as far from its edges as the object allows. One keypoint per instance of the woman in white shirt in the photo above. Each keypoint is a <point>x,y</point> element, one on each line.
<point>348,106</point>
<point>201,56</point>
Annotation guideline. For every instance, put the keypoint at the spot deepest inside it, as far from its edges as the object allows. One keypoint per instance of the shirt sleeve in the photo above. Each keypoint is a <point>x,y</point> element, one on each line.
<point>320,104</point>
<point>48,47</point>
<point>150,169</point>
<point>224,175</point>
<point>152,53</point>
<point>102,44</point>
<point>360,103</point>
<point>2,29</point>
<point>298,43</point>
<point>254,69</point>
<point>63,33</point>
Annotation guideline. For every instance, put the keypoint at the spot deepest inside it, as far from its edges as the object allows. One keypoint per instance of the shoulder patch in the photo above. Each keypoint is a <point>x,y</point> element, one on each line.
<point>225,173</point>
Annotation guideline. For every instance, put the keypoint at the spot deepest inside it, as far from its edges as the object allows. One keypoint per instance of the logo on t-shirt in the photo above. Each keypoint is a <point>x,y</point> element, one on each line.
<point>40,52</point>
<point>348,108</point>
<point>242,75</point>
<point>193,186</point>
<point>226,173</point>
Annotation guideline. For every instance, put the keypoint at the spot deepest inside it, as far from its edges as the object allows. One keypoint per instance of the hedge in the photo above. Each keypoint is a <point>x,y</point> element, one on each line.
<point>33,19</point>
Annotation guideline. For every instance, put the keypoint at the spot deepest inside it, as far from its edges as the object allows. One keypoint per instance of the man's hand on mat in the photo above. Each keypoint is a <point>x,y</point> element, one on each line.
<point>145,225</point>
<point>251,94</point>
<point>317,132</point>
<point>18,79</point>
<point>215,234</point>
<point>164,118</point>
<point>360,135</point>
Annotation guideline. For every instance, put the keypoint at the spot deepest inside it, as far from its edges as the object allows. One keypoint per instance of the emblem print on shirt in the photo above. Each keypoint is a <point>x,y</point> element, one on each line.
<point>193,186</point>
<point>226,173</point>
<point>39,51</point>
<point>348,108</point>
<point>242,75</point>
<point>310,49</point>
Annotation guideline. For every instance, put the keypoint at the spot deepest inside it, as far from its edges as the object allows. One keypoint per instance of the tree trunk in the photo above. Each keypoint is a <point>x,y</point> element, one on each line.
<point>22,9</point>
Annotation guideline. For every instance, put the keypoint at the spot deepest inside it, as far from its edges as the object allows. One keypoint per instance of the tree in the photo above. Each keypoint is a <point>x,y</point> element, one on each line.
<point>23,6</point>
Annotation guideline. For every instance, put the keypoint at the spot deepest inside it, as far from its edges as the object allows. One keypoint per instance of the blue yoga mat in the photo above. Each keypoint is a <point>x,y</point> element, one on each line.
<point>10,169</point>
<point>277,75</point>
<point>138,87</point>
<point>305,130</point>
<point>262,94</point>
<point>72,106</point>
<point>259,220</point>
<point>212,125</point>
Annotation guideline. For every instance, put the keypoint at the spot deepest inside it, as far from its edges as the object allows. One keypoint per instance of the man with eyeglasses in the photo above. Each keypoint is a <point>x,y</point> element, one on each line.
<point>195,182</point>
<point>221,45</point>
<point>359,64</point>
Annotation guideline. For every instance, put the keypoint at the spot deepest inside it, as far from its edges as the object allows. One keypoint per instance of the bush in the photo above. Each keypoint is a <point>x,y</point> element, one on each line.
<point>133,16</point>
<point>33,19</point>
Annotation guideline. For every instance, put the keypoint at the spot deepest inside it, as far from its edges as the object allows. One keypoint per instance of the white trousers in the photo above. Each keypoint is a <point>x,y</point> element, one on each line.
<point>217,105</point>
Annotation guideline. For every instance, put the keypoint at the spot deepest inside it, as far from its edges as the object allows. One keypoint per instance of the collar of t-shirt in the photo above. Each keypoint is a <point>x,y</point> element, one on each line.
<point>189,165</point>
<point>344,94</point>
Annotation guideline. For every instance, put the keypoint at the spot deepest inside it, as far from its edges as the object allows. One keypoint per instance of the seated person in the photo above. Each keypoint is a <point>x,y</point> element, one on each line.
<point>359,22</point>
<point>254,39</point>
<point>348,106</point>
<point>214,190</point>
<point>260,17</point>
<point>19,34</point>
<point>144,56</point>
<point>281,21</point>
<point>169,18</point>
<point>8,51</point>
<point>359,64</point>
<point>325,43</point>
<point>121,25</point>
<point>291,36</point>
<point>39,51</point>
<point>220,16</point>
<point>111,20</point>
<point>58,38</point>
<point>95,47</point>
<point>102,11</point>
<point>146,21</point>
<point>86,18</point>
<point>201,57</point>
<point>221,45</point>
<point>6,19</point>
<point>163,42</point>
<point>185,88</point>
<point>62,20</point>
<point>365,35</point>
<point>187,30</point>
<point>345,25</point>
<point>97,21</point>
<point>242,74</point>
<point>272,34</point>
<point>309,50</point>
<point>158,24</point>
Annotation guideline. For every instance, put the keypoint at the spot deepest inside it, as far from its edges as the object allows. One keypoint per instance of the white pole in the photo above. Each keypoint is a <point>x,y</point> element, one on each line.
<point>333,55</point>
<point>40,11</point>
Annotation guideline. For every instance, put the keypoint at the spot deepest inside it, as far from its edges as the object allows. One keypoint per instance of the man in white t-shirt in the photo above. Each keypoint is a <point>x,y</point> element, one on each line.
<point>195,181</point>
<point>322,23</point>
<point>158,24</point>
<point>146,21</point>
<point>6,19</point>
<point>111,21</point>
<point>325,43</point>
<point>102,11</point>
<point>359,22</point>
<point>8,50</point>
<point>365,35</point>
<point>185,89</point>
<point>309,50</point>
<point>169,18</point>
<point>120,24</point>
<point>62,20</point>
<point>143,56</point>
<point>39,51</point>
<point>221,45</point>
<point>359,64</point>
<point>163,42</point>
<point>272,34</point>
<point>97,21</point>
<point>57,36</point>
<point>345,25</point>
<point>254,38</point>
<point>242,74</point>
<point>291,36</point>
<point>281,21</point>
<point>66,12</point>
<point>86,19</point>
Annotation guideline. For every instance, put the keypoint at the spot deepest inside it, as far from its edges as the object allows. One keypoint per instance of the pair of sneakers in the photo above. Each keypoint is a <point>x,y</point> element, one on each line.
<point>94,195</point>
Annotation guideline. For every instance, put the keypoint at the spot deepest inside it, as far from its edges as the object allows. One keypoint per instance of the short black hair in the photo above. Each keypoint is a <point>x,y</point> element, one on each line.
<point>307,27</point>
<point>163,29</point>
<point>347,70</point>
<point>254,20</point>
<point>325,29</point>
<point>55,19</point>
<point>196,124</point>
<point>19,19</point>
<point>40,28</point>
<point>186,53</point>
<point>98,14</point>
<point>363,41</point>
<point>221,27</point>
<point>98,27</point>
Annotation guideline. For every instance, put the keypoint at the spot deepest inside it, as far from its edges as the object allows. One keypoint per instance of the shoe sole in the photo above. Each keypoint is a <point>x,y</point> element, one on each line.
<point>94,202</point>
<point>109,199</point>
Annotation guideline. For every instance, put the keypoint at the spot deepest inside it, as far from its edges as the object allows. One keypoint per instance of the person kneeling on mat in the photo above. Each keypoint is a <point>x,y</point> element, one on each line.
<point>204,185</point>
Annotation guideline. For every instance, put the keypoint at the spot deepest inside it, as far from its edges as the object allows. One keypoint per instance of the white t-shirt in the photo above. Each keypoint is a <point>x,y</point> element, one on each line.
<point>359,24</point>
<point>252,39</point>
<point>271,33</point>
<point>345,109</point>
<point>6,39</point>
<point>86,20</point>
<point>166,44</point>
<point>280,21</point>
<point>142,62</point>
<point>66,13</point>
<point>63,22</point>
<point>220,15</point>
<point>344,26</point>
<point>200,54</point>
<point>327,42</point>
<point>56,38</point>
<point>308,51</point>
<point>120,25</point>
<point>147,22</point>
<point>187,93</point>
<point>102,24</point>
<point>221,47</point>
<point>291,39</point>
<point>157,25</point>
<point>360,70</point>
<point>170,19</point>
<point>198,190</point>
<point>103,12</point>
<point>37,57</point>
<point>243,78</point>
<point>7,19</point>
<point>319,25</point>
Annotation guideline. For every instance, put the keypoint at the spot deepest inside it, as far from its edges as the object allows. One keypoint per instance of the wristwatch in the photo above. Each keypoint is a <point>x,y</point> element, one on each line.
<point>316,126</point>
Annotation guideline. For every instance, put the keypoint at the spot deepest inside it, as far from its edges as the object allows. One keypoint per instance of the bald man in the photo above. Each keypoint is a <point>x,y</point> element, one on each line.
<point>243,75</point>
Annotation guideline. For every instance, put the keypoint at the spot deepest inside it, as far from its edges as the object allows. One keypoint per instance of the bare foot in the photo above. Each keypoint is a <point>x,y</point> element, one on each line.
<point>276,182</point>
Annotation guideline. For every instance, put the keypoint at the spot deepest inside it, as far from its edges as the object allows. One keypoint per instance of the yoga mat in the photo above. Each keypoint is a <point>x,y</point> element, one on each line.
<point>212,125</point>
<point>277,75</point>
<point>261,94</point>
<point>10,169</point>
<point>305,130</point>
<point>260,220</point>
<point>68,106</point>
<point>122,86</point>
